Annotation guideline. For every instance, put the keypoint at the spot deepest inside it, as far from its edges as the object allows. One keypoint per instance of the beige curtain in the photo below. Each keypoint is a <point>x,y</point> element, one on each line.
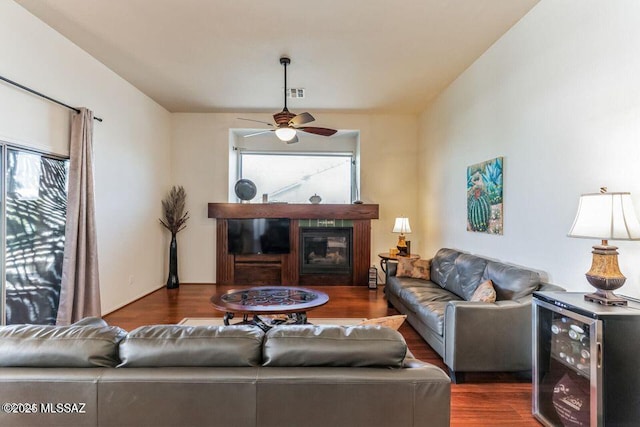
<point>80,287</point>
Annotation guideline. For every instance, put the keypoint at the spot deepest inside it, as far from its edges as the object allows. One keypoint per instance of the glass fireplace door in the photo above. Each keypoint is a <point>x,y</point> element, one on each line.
<point>325,250</point>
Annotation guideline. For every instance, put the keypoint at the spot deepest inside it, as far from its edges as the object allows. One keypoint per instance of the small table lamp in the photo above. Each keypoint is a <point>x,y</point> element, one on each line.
<point>606,216</point>
<point>402,226</point>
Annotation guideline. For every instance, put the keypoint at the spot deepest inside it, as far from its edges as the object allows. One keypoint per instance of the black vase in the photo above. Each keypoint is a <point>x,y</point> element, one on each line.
<point>172,280</point>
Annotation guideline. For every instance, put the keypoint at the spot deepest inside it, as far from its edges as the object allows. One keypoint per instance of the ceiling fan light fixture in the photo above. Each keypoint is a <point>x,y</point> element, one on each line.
<point>287,124</point>
<point>285,134</point>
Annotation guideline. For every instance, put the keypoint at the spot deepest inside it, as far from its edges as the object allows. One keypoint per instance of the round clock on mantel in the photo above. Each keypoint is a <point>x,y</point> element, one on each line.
<point>245,189</point>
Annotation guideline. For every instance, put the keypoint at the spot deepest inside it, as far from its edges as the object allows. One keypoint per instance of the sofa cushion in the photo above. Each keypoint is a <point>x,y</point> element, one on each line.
<point>484,293</point>
<point>432,314</point>
<point>429,303</point>
<point>415,268</point>
<point>179,345</point>
<point>442,265</point>
<point>88,343</point>
<point>328,345</point>
<point>511,282</point>
<point>396,285</point>
<point>414,296</point>
<point>466,276</point>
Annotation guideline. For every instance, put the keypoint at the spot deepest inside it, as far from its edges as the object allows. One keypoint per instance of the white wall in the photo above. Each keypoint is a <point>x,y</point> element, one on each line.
<point>559,97</point>
<point>200,158</point>
<point>132,163</point>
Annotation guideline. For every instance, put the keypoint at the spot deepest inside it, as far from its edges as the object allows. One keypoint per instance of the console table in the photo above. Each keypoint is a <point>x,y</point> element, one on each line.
<point>284,269</point>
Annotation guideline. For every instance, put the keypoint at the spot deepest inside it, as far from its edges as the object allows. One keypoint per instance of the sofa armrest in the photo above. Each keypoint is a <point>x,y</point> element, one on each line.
<point>488,336</point>
<point>392,267</point>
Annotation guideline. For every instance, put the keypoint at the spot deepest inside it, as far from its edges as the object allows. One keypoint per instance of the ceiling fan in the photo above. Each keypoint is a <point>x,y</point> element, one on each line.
<point>288,124</point>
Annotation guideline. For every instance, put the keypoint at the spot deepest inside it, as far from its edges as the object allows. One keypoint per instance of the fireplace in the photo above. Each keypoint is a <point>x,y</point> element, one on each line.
<point>253,269</point>
<point>326,250</point>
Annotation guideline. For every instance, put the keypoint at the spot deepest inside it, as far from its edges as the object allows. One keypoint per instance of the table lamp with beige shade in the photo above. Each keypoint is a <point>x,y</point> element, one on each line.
<point>606,216</point>
<point>402,226</point>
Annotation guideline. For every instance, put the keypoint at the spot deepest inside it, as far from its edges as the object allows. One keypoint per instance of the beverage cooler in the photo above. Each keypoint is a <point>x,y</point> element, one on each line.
<point>586,361</point>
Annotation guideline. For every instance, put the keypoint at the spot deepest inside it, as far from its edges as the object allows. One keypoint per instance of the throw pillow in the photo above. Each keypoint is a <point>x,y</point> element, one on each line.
<point>414,268</point>
<point>484,293</point>
<point>405,267</point>
<point>393,322</point>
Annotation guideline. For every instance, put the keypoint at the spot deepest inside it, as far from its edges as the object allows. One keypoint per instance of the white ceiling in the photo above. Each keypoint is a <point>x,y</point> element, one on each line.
<point>223,55</point>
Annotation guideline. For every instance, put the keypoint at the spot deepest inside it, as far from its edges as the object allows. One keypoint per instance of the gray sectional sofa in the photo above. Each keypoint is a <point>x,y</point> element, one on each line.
<point>92,374</point>
<point>470,336</point>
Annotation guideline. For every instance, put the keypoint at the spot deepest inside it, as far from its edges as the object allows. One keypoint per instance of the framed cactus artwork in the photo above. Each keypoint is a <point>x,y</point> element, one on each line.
<point>484,197</point>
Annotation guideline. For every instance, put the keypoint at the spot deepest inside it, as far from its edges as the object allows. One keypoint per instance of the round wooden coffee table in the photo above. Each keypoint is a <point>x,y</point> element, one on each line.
<point>292,301</point>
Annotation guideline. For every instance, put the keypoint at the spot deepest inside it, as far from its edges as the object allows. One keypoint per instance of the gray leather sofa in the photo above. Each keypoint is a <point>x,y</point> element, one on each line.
<point>91,374</point>
<point>470,336</point>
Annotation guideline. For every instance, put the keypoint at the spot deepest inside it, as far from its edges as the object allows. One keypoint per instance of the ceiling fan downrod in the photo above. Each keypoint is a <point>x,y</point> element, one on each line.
<point>284,60</point>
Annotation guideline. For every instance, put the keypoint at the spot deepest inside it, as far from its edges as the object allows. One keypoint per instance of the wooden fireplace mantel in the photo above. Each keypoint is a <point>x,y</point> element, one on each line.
<point>292,211</point>
<point>285,269</point>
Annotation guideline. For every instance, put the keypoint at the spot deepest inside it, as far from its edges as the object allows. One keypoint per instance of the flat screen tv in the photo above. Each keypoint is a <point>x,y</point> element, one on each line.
<point>258,236</point>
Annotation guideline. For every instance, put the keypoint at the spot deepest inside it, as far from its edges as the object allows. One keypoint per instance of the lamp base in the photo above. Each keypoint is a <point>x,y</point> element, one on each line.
<point>402,245</point>
<point>605,276</point>
<point>605,298</point>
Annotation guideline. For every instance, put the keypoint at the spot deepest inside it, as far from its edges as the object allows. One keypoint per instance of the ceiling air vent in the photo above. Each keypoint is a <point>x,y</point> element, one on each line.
<point>295,93</point>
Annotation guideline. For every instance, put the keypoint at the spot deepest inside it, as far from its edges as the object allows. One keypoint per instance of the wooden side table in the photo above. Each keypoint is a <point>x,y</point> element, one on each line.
<point>385,257</point>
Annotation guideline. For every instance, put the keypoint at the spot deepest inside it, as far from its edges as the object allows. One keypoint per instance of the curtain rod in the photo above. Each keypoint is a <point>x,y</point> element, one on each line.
<point>42,95</point>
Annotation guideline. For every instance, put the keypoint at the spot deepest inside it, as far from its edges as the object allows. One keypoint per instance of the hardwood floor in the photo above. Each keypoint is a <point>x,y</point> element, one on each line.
<point>499,399</point>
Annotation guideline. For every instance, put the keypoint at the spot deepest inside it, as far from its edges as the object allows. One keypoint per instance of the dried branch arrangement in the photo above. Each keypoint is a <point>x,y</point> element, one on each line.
<point>173,209</point>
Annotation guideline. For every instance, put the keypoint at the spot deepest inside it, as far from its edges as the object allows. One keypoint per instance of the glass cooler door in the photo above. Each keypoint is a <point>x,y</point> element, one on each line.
<point>566,372</point>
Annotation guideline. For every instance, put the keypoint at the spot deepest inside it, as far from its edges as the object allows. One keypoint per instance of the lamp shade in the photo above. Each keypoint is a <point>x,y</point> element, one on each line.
<point>402,225</point>
<point>606,216</point>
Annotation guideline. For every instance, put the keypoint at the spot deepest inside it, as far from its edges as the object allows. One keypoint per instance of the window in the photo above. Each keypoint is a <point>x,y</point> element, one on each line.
<point>34,224</point>
<point>295,177</point>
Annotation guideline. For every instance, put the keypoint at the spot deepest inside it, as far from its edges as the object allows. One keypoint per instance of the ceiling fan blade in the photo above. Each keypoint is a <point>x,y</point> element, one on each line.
<point>257,121</point>
<point>293,140</point>
<point>301,119</point>
<point>318,131</point>
<point>258,133</point>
